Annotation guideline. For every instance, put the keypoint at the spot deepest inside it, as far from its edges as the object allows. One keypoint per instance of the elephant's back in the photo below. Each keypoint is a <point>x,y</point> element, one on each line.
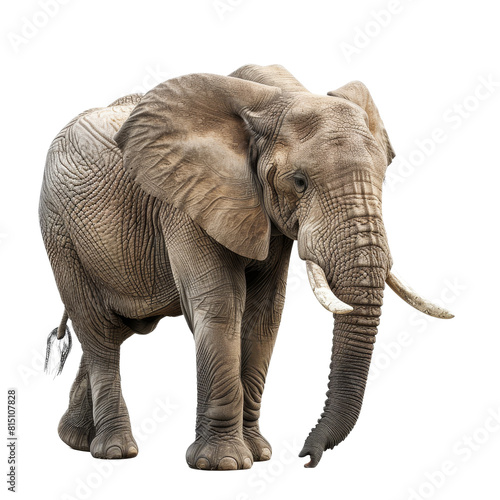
<point>85,150</point>
<point>132,99</point>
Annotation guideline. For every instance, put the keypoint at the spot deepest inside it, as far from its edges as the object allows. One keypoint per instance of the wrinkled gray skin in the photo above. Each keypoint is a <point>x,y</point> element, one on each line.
<point>187,201</point>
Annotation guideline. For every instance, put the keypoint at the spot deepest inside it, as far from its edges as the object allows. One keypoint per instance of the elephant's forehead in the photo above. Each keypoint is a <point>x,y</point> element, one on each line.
<point>312,114</point>
<point>331,153</point>
<point>332,147</point>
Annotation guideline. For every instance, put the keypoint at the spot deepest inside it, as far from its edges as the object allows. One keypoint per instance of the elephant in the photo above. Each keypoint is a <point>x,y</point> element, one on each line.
<point>187,201</point>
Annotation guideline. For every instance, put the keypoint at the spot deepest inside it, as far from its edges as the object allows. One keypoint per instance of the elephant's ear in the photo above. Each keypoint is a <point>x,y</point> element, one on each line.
<point>360,95</point>
<point>275,75</point>
<point>188,143</point>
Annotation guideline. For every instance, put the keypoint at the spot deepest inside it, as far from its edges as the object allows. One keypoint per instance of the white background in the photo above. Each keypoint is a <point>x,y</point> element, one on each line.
<point>433,391</point>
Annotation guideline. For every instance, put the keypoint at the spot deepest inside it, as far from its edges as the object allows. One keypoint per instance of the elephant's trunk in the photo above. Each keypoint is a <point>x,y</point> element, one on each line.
<point>353,339</point>
<point>356,273</point>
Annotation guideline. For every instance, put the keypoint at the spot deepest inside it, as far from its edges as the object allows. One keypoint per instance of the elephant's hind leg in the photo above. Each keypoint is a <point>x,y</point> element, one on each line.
<point>113,433</point>
<point>76,427</point>
<point>97,417</point>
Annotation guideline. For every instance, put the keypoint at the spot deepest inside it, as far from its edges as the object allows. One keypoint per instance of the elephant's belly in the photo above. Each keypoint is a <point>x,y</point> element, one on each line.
<point>140,286</point>
<point>162,303</point>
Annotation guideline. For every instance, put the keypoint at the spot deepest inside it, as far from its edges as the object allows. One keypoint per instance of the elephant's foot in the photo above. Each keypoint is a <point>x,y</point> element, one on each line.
<point>257,444</point>
<point>114,445</point>
<point>219,453</point>
<point>76,434</point>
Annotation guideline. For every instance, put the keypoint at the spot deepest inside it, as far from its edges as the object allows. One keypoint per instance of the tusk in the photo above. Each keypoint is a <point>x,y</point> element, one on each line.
<point>321,289</point>
<point>414,299</point>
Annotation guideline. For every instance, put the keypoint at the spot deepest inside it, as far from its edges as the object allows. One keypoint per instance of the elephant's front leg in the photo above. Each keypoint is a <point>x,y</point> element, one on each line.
<point>266,286</point>
<point>219,440</point>
<point>256,355</point>
<point>211,283</point>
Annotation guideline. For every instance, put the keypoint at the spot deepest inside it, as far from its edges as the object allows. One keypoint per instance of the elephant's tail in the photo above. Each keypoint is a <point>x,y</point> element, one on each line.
<point>58,347</point>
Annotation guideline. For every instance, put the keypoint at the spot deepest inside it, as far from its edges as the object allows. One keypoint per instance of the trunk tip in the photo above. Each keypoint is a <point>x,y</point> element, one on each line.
<point>314,455</point>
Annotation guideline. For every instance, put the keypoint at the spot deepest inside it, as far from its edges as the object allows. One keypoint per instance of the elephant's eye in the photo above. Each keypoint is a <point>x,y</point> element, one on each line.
<point>300,182</point>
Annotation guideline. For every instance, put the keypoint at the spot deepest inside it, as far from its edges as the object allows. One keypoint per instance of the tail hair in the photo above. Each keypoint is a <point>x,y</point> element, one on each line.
<point>60,341</point>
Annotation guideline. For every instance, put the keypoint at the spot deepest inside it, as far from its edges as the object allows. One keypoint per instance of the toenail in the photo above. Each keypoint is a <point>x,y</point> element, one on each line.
<point>265,454</point>
<point>228,463</point>
<point>247,463</point>
<point>202,463</point>
<point>114,452</point>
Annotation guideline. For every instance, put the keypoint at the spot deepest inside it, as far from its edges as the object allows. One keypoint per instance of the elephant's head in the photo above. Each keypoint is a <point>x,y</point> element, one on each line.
<point>255,151</point>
